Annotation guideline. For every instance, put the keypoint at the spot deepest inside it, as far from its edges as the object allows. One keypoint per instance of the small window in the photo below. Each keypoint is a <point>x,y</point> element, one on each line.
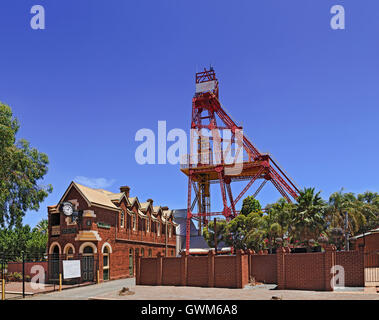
<point>150,253</point>
<point>134,221</point>
<point>170,231</point>
<point>142,252</point>
<point>148,225</point>
<point>122,219</point>
<point>172,253</point>
<point>158,228</point>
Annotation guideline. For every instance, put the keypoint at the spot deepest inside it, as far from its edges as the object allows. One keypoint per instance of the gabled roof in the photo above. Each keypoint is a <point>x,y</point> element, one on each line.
<point>145,206</point>
<point>92,196</point>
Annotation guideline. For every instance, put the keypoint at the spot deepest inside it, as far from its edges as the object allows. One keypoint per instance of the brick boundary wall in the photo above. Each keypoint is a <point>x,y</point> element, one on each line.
<point>17,267</point>
<point>298,271</point>
<point>262,267</point>
<point>210,271</point>
<point>353,264</point>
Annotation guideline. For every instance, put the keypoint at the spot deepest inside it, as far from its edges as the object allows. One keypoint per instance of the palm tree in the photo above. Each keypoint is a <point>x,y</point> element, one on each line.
<point>308,215</point>
<point>338,204</point>
<point>42,226</point>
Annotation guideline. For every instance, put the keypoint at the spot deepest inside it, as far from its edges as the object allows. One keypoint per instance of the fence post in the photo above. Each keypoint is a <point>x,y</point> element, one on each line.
<point>159,268</point>
<point>138,268</point>
<point>23,274</point>
<point>280,268</point>
<point>211,268</point>
<point>3,280</point>
<point>329,262</point>
<point>183,265</point>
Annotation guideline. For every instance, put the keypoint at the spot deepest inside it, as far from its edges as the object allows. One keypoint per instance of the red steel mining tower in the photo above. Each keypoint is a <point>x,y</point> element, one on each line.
<point>210,162</point>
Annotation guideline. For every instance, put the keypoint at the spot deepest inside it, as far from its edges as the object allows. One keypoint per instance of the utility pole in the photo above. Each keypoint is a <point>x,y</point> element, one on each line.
<point>215,233</point>
<point>166,240</point>
<point>346,231</point>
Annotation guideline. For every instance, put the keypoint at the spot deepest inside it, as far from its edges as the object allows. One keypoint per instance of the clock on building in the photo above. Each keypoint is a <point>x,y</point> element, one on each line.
<point>67,208</point>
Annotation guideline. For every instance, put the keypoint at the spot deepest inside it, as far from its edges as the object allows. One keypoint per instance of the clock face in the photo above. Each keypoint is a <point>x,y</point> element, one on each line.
<point>67,209</point>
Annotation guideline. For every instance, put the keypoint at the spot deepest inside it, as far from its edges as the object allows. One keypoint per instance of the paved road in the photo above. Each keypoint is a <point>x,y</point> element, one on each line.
<point>84,293</point>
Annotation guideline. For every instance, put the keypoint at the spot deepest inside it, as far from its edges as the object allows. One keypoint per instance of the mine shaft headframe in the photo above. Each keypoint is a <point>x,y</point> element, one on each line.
<point>206,81</point>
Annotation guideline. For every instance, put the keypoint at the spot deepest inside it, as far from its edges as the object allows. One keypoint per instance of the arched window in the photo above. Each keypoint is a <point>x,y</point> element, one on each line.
<point>105,263</point>
<point>88,250</point>
<point>69,253</point>
<point>150,253</point>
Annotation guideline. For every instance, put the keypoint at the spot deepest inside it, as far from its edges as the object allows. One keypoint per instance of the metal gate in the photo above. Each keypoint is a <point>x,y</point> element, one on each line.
<point>372,268</point>
<point>54,267</point>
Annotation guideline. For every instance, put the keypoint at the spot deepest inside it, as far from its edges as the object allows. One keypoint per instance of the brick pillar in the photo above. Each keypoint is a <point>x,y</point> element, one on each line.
<point>211,268</point>
<point>280,268</point>
<point>184,268</point>
<point>238,271</point>
<point>249,261</point>
<point>138,268</point>
<point>159,268</point>
<point>329,262</point>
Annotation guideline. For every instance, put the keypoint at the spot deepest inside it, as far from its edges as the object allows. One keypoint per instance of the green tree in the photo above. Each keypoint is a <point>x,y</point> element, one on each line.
<point>339,203</point>
<point>33,242</point>
<point>370,208</point>
<point>308,215</point>
<point>249,205</point>
<point>21,167</point>
<point>209,232</point>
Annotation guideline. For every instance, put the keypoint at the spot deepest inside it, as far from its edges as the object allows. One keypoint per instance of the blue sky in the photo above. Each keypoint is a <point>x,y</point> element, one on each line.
<point>101,71</point>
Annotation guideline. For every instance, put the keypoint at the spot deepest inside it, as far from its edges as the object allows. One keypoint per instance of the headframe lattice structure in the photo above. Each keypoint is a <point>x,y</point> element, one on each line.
<point>210,159</point>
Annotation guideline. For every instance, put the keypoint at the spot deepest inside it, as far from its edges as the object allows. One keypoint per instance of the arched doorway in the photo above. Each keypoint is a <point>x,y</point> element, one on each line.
<point>87,262</point>
<point>54,263</point>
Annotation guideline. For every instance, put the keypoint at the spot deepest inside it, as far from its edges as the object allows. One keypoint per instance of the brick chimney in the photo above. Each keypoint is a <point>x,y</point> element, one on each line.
<point>150,200</point>
<point>126,190</point>
<point>165,208</point>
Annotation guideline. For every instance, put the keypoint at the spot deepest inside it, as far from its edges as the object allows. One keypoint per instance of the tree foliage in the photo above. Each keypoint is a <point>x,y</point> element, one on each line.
<point>33,242</point>
<point>304,222</point>
<point>21,167</point>
<point>209,232</point>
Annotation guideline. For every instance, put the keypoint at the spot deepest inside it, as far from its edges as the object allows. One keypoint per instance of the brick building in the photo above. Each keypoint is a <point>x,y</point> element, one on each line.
<point>108,230</point>
<point>368,240</point>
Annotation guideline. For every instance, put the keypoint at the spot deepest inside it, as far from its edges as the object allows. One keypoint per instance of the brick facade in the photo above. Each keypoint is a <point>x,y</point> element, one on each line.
<point>101,228</point>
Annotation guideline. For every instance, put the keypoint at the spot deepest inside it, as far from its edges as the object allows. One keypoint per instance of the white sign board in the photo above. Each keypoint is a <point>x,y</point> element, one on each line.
<point>71,269</point>
<point>205,86</point>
